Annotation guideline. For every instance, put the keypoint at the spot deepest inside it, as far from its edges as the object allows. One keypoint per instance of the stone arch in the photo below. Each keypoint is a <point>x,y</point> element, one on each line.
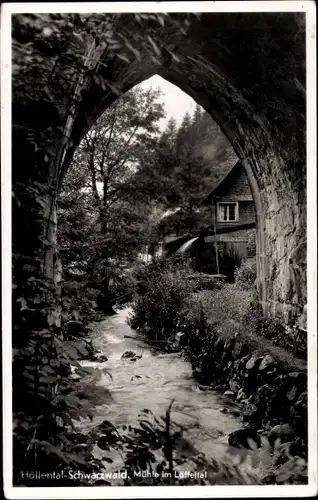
<point>138,75</point>
<point>250,76</point>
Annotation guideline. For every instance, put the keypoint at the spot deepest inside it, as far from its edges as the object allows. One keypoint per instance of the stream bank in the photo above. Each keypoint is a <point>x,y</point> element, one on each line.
<point>267,383</point>
<point>130,379</point>
<point>151,380</point>
<point>231,347</point>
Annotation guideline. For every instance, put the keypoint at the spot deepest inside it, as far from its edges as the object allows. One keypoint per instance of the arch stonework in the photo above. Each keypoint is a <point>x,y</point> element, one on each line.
<point>248,72</point>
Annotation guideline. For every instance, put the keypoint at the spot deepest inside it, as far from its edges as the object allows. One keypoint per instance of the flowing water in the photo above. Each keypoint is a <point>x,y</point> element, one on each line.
<point>186,245</point>
<point>152,382</point>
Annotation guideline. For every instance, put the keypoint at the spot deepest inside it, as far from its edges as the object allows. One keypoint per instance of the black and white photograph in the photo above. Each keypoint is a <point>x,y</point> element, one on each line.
<point>159,249</point>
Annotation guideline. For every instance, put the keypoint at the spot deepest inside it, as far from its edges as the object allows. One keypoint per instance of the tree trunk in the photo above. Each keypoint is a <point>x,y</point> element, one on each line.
<point>103,297</point>
<point>52,265</point>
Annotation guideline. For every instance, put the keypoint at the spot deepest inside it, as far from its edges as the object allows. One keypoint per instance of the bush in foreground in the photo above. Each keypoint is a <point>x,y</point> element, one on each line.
<point>163,289</point>
<point>245,275</point>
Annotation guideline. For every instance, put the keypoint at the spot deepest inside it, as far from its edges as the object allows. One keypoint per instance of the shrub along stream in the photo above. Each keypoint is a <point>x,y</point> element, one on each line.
<point>233,349</point>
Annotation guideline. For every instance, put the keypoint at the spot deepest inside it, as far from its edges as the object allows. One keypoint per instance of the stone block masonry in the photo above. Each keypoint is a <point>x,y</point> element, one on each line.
<point>250,76</point>
<point>270,391</point>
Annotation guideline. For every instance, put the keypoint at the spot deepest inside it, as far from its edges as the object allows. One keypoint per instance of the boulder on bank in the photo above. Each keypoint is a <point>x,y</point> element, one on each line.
<point>284,432</point>
<point>297,377</point>
<point>229,393</point>
<point>130,356</point>
<point>240,395</point>
<point>302,402</point>
<point>253,363</point>
<point>294,384</point>
<point>234,386</point>
<point>291,395</point>
<point>244,438</point>
<point>180,340</point>
<point>176,342</point>
<point>250,412</point>
<point>99,357</point>
<point>266,362</point>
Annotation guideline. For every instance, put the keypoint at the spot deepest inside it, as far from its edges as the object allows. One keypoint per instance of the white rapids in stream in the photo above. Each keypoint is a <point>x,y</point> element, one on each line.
<point>152,382</point>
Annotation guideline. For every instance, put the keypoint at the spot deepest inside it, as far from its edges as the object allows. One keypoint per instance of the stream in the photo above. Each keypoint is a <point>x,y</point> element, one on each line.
<point>127,387</point>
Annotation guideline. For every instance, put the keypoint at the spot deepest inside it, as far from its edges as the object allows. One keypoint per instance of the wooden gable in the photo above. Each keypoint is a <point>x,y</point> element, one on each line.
<point>233,187</point>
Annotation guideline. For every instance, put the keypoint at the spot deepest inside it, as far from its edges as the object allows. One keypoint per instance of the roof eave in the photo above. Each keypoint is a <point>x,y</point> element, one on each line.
<point>206,200</point>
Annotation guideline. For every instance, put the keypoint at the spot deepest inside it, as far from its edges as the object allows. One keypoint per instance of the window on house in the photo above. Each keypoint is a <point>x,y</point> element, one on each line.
<point>228,212</point>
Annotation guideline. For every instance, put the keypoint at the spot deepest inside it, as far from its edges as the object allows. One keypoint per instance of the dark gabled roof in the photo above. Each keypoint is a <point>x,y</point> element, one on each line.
<point>227,230</point>
<point>208,198</point>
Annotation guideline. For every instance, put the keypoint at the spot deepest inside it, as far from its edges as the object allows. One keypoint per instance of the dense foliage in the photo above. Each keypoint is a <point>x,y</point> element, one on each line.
<point>189,160</point>
<point>55,61</point>
<point>103,219</point>
<point>195,304</point>
<point>245,274</point>
<point>228,344</point>
<point>162,288</point>
<point>123,176</point>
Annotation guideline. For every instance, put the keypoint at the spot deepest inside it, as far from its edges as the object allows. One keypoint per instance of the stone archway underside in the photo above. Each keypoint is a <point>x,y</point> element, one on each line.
<point>248,72</point>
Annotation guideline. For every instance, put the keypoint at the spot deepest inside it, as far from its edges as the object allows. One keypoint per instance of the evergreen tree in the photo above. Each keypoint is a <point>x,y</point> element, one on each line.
<point>182,139</point>
<point>201,156</point>
<point>168,136</point>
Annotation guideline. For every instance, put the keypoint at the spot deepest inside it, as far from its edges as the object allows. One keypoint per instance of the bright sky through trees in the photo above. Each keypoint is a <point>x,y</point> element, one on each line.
<point>177,102</point>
